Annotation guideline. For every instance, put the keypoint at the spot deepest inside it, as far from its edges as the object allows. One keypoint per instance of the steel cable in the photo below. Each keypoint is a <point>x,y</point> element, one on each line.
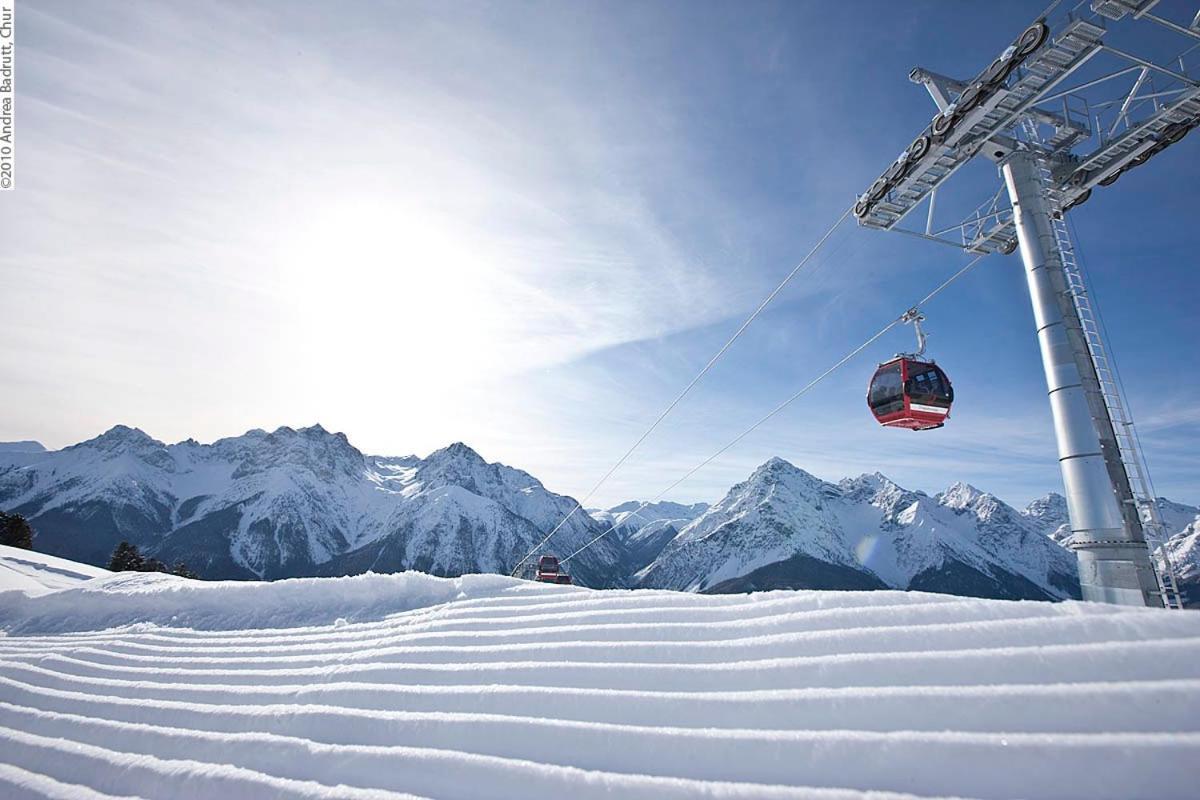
<point>875,337</point>
<point>704,371</point>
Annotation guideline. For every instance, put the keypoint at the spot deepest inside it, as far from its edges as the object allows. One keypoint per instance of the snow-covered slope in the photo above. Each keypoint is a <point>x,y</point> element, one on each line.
<point>37,573</point>
<point>1177,516</point>
<point>1184,550</point>
<point>634,515</point>
<point>1183,522</point>
<point>291,502</point>
<point>786,528</point>
<point>27,446</point>
<point>382,687</point>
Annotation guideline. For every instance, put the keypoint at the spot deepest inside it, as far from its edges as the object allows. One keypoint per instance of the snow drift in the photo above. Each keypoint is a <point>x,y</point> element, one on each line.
<point>483,686</point>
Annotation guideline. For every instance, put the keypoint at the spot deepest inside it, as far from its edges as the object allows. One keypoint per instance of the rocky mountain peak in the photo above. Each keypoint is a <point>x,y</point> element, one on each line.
<point>988,509</point>
<point>1048,516</point>
<point>123,436</point>
<point>312,433</point>
<point>880,491</point>
<point>869,485</point>
<point>458,451</point>
<point>317,432</point>
<point>122,440</point>
<point>776,470</point>
<point>313,448</point>
<point>1049,507</point>
<point>457,464</point>
<point>960,495</point>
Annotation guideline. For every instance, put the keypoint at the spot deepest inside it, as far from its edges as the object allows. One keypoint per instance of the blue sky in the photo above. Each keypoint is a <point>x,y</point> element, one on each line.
<point>527,225</point>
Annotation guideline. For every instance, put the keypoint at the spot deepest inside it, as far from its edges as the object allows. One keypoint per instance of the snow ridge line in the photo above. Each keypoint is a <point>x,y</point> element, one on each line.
<point>1150,660</point>
<point>1145,660</point>
<point>753,628</point>
<point>437,620</point>
<point>765,756</point>
<point>898,638</point>
<point>507,606</point>
<point>445,773</point>
<point>21,784</point>
<point>1064,708</point>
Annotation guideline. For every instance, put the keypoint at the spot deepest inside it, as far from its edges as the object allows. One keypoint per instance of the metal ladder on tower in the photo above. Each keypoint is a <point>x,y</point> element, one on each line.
<point>1153,528</point>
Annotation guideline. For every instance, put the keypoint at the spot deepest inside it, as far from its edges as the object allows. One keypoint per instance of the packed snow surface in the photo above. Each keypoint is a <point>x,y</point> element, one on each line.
<point>147,685</point>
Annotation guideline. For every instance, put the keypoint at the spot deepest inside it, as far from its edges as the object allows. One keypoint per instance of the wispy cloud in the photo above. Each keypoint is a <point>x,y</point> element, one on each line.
<point>270,205</point>
<point>522,226</point>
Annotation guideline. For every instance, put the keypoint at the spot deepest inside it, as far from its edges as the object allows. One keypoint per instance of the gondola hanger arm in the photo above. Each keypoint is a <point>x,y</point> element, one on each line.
<point>915,316</point>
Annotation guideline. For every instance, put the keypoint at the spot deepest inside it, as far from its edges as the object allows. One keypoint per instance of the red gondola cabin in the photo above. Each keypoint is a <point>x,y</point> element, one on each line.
<point>909,393</point>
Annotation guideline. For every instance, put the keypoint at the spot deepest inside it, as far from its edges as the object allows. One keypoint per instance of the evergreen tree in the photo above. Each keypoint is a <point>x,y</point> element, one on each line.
<point>152,565</point>
<point>15,531</point>
<point>126,558</point>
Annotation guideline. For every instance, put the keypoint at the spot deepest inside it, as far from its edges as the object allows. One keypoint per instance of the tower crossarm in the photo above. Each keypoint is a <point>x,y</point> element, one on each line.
<point>1134,147</point>
<point>988,105</point>
<point>990,227</point>
<point>1000,237</point>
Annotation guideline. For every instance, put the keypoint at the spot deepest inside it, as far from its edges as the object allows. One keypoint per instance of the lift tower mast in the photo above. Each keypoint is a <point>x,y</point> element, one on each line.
<point>1053,146</point>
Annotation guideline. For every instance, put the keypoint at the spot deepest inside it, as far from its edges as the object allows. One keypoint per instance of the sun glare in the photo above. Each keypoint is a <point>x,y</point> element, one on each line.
<point>377,286</point>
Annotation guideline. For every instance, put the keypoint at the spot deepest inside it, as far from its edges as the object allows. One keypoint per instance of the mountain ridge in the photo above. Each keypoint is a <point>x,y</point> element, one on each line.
<point>304,501</point>
<point>287,503</point>
<point>868,527</point>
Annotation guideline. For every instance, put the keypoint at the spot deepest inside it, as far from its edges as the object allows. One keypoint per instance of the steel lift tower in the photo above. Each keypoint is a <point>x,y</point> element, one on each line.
<point>1133,71</point>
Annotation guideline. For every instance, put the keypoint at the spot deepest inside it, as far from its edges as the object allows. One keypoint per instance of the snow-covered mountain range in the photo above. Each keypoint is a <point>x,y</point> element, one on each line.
<point>785,527</point>
<point>291,503</point>
<point>307,502</point>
